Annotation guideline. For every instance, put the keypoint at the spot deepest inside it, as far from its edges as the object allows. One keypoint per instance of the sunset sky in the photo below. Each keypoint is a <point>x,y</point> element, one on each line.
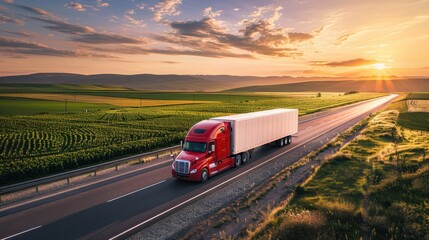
<point>243,37</point>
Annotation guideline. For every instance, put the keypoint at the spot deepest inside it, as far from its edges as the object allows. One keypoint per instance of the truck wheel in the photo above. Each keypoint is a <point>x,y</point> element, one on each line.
<point>237,160</point>
<point>204,176</point>
<point>289,140</point>
<point>244,157</point>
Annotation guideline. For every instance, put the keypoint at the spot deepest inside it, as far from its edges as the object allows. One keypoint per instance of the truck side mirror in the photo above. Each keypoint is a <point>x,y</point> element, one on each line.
<point>181,144</point>
<point>212,148</point>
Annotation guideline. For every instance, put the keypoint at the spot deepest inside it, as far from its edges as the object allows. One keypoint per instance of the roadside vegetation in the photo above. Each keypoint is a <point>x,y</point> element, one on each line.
<point>375,187</point>
<point>44,143</point>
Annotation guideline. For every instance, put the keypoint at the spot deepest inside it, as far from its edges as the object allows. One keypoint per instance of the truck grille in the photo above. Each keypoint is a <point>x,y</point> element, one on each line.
<point>182,166</point>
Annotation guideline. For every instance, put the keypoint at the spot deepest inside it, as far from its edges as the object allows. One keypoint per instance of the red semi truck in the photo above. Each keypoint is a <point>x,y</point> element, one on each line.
<point>215,145</point>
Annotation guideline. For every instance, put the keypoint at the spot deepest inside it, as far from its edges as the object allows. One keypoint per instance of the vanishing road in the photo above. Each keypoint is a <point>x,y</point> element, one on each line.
<point>119,206</point>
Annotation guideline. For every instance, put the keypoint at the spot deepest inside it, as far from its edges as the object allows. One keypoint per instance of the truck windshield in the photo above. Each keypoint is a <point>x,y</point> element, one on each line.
<point>195,146</point>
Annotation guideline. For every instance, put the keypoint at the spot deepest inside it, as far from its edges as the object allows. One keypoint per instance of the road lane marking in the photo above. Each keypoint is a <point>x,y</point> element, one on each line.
<point>111,200</point>
<point>82,186</point>
<point>239,175</point>
<point>14,235</point>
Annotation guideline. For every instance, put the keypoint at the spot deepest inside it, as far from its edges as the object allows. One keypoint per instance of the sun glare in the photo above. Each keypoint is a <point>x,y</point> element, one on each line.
<point>379,66</point>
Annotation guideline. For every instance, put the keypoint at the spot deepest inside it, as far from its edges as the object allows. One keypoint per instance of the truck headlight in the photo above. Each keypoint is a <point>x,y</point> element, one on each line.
<point>193,171</point>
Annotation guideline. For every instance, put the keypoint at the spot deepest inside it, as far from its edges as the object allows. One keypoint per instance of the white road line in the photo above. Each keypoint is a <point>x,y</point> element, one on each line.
<point>82,186</point>
<point>14,235</point>
<point>227,181</point>
<point>111,200</point>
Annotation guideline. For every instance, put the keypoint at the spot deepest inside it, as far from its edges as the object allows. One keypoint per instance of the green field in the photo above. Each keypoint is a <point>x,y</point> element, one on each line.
<point>411,120</point>
<point>112,91</point>
<point>375,188</point>
<point>13,106</point>
<point>418,95</point>
<point>41,144</point>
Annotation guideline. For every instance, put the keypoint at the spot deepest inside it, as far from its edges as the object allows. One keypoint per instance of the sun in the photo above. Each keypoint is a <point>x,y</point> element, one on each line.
<point>379,66</point>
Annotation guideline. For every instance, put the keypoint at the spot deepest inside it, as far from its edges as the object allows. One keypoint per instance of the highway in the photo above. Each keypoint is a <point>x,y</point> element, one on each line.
<point>120,206</point>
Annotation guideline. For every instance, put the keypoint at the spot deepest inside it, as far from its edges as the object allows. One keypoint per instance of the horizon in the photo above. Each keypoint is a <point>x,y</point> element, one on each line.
<point>307,39</point>
<point>339,78</point>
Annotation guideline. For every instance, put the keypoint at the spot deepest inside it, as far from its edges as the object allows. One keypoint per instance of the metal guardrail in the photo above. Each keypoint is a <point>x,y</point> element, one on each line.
<point>78,172</point>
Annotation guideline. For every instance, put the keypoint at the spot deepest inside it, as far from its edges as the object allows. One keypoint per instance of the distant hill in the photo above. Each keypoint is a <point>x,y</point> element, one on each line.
<point>140,81</point>
<point>149,81</point>
<point>219,82</point>
<point>400,85</point>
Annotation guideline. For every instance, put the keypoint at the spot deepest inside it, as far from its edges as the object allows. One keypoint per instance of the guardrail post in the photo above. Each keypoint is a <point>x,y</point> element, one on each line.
<point>1,199</point>
<point>171,151</point>
<point>95,172</point>
<point>116,167</point>
<point>157,156</point>
<point>37,188</point>
<point>68,180</point>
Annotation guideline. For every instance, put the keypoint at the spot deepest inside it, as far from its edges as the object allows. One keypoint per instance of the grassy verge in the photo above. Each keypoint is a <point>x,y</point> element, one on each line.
<point>375,188</point>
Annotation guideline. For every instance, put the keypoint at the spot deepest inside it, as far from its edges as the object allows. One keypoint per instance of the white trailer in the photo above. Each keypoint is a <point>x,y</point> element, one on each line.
<point>251,130</point>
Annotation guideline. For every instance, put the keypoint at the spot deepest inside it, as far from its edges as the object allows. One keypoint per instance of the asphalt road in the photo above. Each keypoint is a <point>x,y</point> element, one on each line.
<point>119,206</point>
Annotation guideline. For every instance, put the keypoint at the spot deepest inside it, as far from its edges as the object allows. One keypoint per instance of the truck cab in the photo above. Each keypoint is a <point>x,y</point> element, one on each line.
<point>206,151</point>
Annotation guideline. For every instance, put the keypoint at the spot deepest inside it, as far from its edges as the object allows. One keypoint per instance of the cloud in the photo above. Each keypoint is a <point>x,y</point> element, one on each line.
<point>141,6</point>
<point>113,18</point>
<point>85,34</point>
<point>236,9</point>
<point>134,21</point>
<point>34,10</point>
<point>64,27</point>
<point>76,6</point>
<point>14,46</point>
<point>349,63</point>
<point>131,12</point>
<point>100,3</point>
<point>343,38</point>
<point>171,62</point>
<point>135,50</point>
<point>206,53</point>
<point>206,27</point>
<point>20,33</point>
<point>299,37</point>
<point>269,9</point>
<point>165,7</point>
<point>256,36</point>
<point>5,19</point>
<point>208,12</point>
<point>319,30</point>
<point>106,38</point>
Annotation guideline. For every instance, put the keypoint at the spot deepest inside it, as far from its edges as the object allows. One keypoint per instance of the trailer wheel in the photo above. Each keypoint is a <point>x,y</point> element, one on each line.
<point>281,142</point>
<point>204,175</point>
<point>244,157</point>
<point>289,140</point>
<point>237,160</point>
